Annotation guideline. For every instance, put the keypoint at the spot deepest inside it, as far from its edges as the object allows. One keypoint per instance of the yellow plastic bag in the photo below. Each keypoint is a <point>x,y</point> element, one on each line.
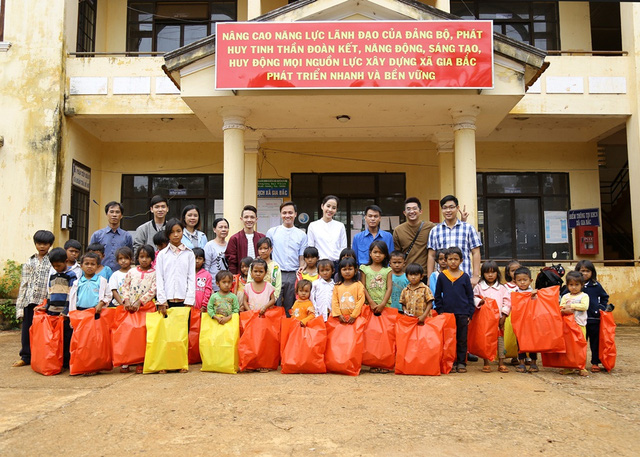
<point>167,340</point>
<point>510,342</point>
<point>219,344</point>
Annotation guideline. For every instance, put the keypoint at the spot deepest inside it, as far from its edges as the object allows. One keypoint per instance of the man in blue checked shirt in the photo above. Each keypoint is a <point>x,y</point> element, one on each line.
<point>454,232</point>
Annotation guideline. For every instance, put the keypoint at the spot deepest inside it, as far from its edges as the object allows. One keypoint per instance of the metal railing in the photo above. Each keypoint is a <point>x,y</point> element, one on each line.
<point>587,53</point>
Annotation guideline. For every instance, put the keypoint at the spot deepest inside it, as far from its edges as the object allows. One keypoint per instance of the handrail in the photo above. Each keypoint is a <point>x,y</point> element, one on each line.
<point>567,261</point>
<point>587,53</point>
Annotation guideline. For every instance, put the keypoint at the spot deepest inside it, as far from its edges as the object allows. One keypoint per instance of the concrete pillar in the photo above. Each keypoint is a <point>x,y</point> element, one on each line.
<point>251,150</point>
<point>443,5</point>
<point>233,128</point>
<point>444,142</point>
<point>254,9</point>
<point>464,131</point>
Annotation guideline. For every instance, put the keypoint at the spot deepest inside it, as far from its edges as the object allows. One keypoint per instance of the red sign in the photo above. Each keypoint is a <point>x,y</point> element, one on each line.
<point>351,55</point>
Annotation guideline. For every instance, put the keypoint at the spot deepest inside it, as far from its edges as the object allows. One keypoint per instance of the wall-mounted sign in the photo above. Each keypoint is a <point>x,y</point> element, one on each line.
<point>273,188</point>
<point>580,217</point>
<point>80,176</point>
<point>354,55</point>
<point>177,192</point>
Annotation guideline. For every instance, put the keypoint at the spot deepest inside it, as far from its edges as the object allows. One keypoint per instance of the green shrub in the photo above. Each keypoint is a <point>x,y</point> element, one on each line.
<point>8,319</point>
<point>10,280</point>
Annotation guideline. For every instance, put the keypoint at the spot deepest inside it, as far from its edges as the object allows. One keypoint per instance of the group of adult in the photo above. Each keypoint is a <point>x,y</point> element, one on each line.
<point>417,239</point>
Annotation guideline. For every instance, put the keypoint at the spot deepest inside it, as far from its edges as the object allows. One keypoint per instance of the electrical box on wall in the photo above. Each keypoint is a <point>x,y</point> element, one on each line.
<point>66,222</point>
<point>587,240</point>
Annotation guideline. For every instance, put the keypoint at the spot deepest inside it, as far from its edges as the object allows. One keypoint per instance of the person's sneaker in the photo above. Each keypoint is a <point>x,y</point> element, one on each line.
<point>472,358</point>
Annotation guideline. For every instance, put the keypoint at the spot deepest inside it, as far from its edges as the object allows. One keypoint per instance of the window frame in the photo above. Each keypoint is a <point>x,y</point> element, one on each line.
<point>1,20</point>
<point>86,39</point>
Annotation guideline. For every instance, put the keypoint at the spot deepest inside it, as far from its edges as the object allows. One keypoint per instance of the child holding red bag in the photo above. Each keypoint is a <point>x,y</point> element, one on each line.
<point>259,295</point>
<point>490,287</point>
<point>416,299</point>
<point>348,294</point>
<point>576,302</point>
<point>522,278</point>
<point>303,309</point>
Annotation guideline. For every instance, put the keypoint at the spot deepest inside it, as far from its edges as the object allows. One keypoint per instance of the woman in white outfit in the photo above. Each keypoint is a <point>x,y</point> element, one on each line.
<point>328,235</point>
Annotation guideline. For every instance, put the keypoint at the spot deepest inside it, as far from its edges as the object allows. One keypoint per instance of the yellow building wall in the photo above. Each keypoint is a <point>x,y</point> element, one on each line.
<point>575,26</point>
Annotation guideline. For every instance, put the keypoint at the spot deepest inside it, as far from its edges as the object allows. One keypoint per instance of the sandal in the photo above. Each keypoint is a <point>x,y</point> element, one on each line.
<point>486,369</point>
<point>514,361</point>
<point>379,370</point>
<point>584,373</point>
<point>533,368</point>
<point>19,363</point>
<point>124,369</point>
<point>183,370</point>
<point>521,368</point>
<point>461,369</point>
<point>263,370</point>
<point>503,369</point>
<point>139,369</point>
<point>595,369</point>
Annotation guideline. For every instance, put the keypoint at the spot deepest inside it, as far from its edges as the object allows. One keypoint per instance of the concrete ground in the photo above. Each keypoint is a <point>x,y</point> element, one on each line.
<point>273,414</point>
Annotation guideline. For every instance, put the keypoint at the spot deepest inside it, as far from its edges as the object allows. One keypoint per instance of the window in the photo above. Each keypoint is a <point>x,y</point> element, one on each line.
<point>606,33</point>
<point>1,20</point>
<point>511,214</point>
<point>535,23</point>
<point>160,26</point>
<point>86,26</point>
<point>181,190</point>
<point>356,191</point>
<point>81,183</point>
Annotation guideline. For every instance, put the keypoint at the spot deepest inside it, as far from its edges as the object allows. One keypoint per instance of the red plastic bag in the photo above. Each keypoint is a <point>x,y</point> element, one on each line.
<point>91,341</point>
<point>575,355</point>
<point>447,324</point>
<point>419,347</point>
<point>259,345</point>
<point>129,335</point>
<point>379,349</point>
<point>344,346</point>
<point>482,336</point>
<point>302,348</point>
<point>194,336</point>
<point>607,352</point>
<point>537,323</point>
<point>46,338</point>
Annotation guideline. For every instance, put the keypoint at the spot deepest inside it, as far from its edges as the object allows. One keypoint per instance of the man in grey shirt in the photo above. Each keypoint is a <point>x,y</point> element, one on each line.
<point>159,207</point>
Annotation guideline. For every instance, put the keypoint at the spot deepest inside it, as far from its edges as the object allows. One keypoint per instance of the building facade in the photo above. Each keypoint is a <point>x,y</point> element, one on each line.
<point>115,100</point>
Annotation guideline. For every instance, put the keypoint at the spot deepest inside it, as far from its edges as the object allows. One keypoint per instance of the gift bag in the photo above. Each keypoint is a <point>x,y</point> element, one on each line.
<point>419,347</point>
<point>91,341</point>
<point>302,348</point>
<point>259,345</point>
<point>510,341</point>
<point>129,335</point>
<point>482,336</point>
<point>607,352</point>
<point>575,355</point>
<point>537,322</point>
<point>46,338</point>
<point>447,324</point>
<point>379,350</point>
<point>344,346</point>
<point>194,336</point>
<point>167,340</point>
<point>219,344</point>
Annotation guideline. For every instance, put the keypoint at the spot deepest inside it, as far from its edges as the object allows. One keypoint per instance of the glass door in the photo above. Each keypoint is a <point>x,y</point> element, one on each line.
<point>513,226</point>
<point>527,228</point>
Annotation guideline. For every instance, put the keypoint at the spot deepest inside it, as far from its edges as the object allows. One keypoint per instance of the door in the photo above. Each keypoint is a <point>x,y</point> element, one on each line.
<point>513,226</point>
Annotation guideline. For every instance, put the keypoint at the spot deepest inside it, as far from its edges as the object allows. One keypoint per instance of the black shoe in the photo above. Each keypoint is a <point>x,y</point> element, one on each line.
<point>472,358</point>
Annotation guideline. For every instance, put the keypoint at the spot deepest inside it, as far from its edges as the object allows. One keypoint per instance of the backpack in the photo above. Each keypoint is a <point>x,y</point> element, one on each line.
<point>550,276</point>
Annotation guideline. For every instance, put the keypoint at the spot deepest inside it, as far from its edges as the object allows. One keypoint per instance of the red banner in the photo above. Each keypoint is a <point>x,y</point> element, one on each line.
<point>351,55</point>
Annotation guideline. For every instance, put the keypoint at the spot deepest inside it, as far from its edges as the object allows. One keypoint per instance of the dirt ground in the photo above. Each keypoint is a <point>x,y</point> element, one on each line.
<point>273,414</point>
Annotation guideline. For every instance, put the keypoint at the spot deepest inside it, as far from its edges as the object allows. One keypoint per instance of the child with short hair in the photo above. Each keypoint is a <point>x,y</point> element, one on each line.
<point>598,300</point>
<point>240,280</point>
<point>160,241</point>
<point>454,295</point>
<point>345,254</point>
<point>273,276</point>
<point>204,282</point>
<point>509,275</point>
<point>416,298</point>
<point>310,271</point>
<point>124,258</point>
<point>303,309</point>
<point>441,265</point>
<point>223,303</point>
<point>259,295</point>
<point>490,287</point>
<point>33,290</point>
<point>60,283</point>
<point>103,270</point>
<point>74,249</point>
<point>576,302</point>
<point>322,290</point>
<point>376,276</point>
<point>522,279</point>
<point>398,278</point>
<point>91,290</point>
<point>348,294</point>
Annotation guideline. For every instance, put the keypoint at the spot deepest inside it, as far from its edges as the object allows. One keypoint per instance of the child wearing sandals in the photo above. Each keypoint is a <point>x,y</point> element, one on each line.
<point>490,287</point>
<point>522,278</point>
<point>576,302</point>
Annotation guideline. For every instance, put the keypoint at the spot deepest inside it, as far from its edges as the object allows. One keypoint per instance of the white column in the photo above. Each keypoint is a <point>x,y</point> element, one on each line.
<point>233,127</point>
<point>464,131</point>
<point>254,9</point>
<point>444,143</point>
<point>443,5</point>
<point>251,150</point>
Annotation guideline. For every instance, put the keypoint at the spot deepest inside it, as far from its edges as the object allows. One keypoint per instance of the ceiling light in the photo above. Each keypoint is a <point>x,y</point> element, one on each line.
<point>343,118</point>
<point>166,119</point>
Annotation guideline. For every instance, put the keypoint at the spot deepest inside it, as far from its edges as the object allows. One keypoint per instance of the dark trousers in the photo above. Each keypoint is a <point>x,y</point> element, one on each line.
<point>27,320</point>
<point>532,355</point>
<point>67,333</point>
<point>593,337</point>
<point>462,326</point>
<point>288,291</point>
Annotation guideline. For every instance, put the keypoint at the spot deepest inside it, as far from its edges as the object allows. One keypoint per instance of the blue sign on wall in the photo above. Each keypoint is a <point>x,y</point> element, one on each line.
<point>581,217</point>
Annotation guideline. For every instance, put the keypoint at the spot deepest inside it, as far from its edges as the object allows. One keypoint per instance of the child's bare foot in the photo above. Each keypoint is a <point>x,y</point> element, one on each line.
<point>583,373</point>
<point>162,371</point>
<point>263,370</point>
<point>183,370</point>
<point>486,369</point>
<point>503,369</point>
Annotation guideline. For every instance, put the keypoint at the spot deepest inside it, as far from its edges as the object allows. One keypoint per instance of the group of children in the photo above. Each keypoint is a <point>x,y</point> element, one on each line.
<point>175,276</point>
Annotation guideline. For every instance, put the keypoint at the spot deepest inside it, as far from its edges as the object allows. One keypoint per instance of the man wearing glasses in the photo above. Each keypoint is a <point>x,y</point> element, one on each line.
<point>455,232</point>
<point>411,237</point>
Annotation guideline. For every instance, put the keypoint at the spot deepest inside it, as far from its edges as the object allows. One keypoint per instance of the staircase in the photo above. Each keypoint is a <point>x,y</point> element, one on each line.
<point>616,217</point>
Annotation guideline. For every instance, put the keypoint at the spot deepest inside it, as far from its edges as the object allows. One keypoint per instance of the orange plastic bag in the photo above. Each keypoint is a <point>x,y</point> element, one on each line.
<point>537,322</point>
<point>379,349</point>
<point>259,345</point>
<point>194,336</point>
<point>575,355</point>
<point>91,341</point>
<point>607,352</point>
<point>302,348</point>
<point>46,338</point>
<point>419,347</point>
<point>344,346</point>
<point>129,335</point>
<point>447,324</point>
<point>482,336</point>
